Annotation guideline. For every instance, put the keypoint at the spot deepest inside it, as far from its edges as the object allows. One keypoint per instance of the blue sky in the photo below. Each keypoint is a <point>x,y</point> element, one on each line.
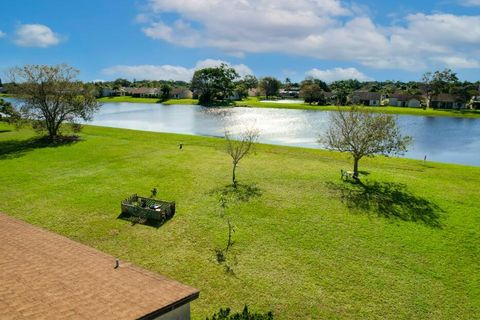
<point>169,39</point>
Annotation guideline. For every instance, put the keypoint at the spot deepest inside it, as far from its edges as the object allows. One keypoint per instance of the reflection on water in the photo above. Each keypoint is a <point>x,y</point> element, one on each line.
<point>443,139</point>
<point>454,140</point>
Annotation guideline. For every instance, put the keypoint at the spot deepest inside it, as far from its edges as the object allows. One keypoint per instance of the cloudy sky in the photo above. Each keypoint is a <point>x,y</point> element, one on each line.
<point>170,39</point>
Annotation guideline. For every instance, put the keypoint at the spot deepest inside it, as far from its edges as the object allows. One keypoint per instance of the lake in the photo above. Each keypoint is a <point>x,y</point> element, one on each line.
<point>442,139</point>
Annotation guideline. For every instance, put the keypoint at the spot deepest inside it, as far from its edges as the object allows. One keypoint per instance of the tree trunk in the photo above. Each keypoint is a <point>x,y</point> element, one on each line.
<point>355,168</point>
<point>230,229</point>
<point>234,181</point>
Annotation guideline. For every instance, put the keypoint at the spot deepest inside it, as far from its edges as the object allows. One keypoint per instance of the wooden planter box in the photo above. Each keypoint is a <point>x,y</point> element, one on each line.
<point>147,208</point>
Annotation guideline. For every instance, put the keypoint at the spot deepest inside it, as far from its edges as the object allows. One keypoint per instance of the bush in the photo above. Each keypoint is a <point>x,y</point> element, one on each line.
<point>224,314</point>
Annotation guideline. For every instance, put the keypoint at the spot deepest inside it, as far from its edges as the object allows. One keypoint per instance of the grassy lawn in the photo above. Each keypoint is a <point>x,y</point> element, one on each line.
<point>406,245</point>
<point>254,102</point>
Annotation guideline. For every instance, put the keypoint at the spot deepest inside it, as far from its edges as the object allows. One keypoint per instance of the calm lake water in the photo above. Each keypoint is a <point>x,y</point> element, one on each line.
<point>442,139</point>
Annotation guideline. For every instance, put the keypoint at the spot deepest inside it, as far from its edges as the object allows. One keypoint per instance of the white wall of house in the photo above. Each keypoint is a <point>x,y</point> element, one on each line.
<point>414,103</point>
<point>180,313</point>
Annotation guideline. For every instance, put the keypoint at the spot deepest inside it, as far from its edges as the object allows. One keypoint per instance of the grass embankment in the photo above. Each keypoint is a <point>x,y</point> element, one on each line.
<point>256,103</point>
<point>309,247</point>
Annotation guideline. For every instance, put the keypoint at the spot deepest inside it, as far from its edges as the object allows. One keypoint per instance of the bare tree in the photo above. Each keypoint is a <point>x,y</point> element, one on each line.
<point>52,95</point>
<point>241,147</point>
<point>364,134</point>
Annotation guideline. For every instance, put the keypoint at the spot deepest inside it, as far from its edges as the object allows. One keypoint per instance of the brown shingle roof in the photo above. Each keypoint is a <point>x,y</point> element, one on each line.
<point>47,276</point>
<point>366,95</point>
<point>142,90</point>
<point>446,97</point>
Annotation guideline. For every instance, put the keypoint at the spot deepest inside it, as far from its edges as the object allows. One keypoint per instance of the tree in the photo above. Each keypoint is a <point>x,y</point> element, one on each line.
<point>238,149</point>
<point>438,82</point>
<point>7,109</point>
<point>165,89</point>
<point>212,84</point>
<point>322,84</point>
<point>51,95</point>
<point>243,85</point>
<point>364,134</point>
<point>343,88</point>
<point>312,93</point>
<point>250,81</point>
<point>270,86</point>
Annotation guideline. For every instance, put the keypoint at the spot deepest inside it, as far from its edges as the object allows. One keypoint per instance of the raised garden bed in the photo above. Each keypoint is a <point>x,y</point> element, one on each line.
<point>147,208</point>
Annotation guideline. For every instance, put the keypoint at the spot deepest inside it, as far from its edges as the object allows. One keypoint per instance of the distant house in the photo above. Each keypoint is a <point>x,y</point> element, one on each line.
<point>293,93</point>
<point>143,92</point>
<point>404,100</point>
<point>447,101</point>
<point>48,276</point>
<point>108,92</point>
<point>181,93</point>
<point>366,98</point>
<point>253,92</point>
<point>474,103</point>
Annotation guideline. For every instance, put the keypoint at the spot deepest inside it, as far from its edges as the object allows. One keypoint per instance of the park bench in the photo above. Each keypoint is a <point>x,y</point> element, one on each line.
<point>148,208</point>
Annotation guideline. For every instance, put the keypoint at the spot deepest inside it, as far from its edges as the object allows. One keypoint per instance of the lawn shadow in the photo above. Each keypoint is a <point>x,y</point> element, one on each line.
<point>389,200</point>
<point>239,192</point>
<point>10,149</point>
<point>137,220</point>
<point>3,131</point>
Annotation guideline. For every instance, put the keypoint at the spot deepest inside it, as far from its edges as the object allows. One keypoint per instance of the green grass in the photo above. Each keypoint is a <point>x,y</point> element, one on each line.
<point>308,248</point>
<point>256,103</point>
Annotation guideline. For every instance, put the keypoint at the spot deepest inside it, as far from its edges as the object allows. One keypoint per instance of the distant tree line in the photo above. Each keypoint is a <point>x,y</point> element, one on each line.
<point>218,84</point>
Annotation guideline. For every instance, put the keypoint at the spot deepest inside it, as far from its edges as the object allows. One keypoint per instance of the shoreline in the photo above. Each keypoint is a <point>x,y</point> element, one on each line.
<point>254,103</point>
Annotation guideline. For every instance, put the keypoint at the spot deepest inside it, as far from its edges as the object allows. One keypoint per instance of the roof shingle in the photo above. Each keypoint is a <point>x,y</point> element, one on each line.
<point>47,276</point>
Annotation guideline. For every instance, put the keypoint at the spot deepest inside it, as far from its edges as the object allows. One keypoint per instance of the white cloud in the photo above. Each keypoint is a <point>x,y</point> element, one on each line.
<point>169,72</point>
<point>457,62</point>
<point>331,75</point>
<point>36,35</point>
<point>241,69</point>
<point>2,34</point>
<point>470,3</point>
<point>323,29</point>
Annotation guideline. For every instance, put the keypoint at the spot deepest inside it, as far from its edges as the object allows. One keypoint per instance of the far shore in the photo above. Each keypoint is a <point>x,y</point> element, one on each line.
<point>254,102</point>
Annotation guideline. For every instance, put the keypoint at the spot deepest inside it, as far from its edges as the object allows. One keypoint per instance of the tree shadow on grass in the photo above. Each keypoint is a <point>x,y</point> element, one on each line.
<point>10,149</point>
<point>239,192</point>
<point>3,131</point>
<point>389,200</point>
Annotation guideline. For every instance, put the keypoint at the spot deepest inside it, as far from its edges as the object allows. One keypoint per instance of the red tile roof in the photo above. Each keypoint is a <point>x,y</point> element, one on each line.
<point>47,276</point>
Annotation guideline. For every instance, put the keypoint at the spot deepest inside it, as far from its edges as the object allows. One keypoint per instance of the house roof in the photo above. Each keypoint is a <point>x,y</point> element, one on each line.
<point>47,276</point>
<point>446,97</point>
<point>142,90</point>
<point>179,90</point>
<point>366,95</point>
